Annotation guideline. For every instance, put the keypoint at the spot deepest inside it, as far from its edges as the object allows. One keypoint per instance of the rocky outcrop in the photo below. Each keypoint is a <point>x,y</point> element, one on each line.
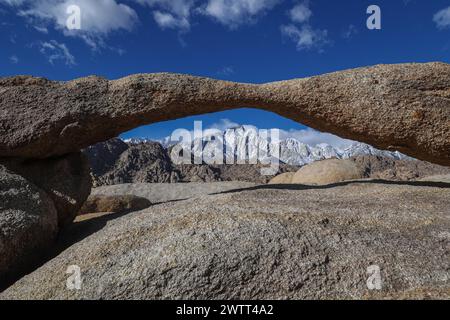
<point>104,156</point>
<point>114,204</point>
<point>66,180</point>
<point>116,162</point>
<point>28,225</point>
<point>375,167</point>
<point>328,172</point>
<point>264,243</point>
<point>402,107</point>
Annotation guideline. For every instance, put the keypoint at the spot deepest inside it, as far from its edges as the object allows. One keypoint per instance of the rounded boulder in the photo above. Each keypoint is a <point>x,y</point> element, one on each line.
<point>328,172</point>
<point>284,178</point>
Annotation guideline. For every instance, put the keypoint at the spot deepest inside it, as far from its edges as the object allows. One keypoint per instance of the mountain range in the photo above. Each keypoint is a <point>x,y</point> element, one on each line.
<point>244,142</point>
<point>120,161</point>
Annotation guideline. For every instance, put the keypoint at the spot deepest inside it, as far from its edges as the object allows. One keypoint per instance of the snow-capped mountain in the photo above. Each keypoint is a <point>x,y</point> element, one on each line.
<point>295,152</point>
<point>245,142</point>
<point>138,140</point>
<point>360,149</point>
<point>166,142</point>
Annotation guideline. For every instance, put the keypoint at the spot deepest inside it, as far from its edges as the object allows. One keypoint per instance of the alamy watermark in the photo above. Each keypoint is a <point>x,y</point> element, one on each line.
<point>74,281</point>
<point>374,281</point>
<point>374,20</point>
<point>73,21</point>
<point>215,147</point>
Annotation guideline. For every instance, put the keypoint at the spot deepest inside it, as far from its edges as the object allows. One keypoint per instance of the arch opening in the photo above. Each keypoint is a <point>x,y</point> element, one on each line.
<point>146,154</point>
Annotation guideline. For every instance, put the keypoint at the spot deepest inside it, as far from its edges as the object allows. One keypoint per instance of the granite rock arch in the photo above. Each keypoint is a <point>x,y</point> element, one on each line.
<point>404,107</point>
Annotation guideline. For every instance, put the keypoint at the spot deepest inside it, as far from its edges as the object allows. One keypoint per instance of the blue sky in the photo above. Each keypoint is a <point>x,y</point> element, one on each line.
<point>240,40</point>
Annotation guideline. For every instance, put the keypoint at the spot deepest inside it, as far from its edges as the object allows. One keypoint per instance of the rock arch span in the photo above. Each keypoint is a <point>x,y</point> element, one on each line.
<point>403,107</point>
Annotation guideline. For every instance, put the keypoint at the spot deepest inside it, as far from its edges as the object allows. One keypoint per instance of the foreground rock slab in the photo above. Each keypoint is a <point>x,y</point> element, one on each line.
<point>163,192</point>
<point>265,242</point>
<point>28,225</point>
<point>402,107</point>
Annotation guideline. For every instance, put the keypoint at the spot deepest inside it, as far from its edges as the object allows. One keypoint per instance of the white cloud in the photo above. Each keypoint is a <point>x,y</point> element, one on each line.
<point>177,14</point>
<point>233,13</point>
<point>224,124</point>
<point>168,21</point>
<point>13,2</point>
<point>41,29</point>
<point>173,14</point>
<point>98,18</point>
<point>14,59</point>
<point>349,32</point>
<point>442,18</point>
<point>54,51</point>
<point>305,37</point>
<point>226,71</point>
<point>313,137</point>
<point>13,38</point>
<point>177,7</point>
<point>300,13</point>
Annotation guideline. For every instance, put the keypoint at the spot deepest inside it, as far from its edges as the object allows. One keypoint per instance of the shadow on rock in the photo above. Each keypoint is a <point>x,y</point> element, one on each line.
<point>431,184</point>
